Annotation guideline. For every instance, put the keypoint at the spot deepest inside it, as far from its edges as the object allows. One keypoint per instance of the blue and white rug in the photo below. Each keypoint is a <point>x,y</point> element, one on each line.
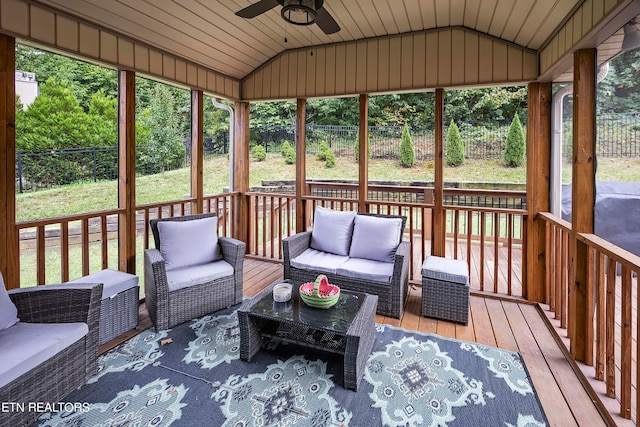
<point>198,379</point>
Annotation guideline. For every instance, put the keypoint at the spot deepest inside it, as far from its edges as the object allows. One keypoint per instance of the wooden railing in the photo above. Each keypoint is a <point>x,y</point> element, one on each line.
<point>613,339</point>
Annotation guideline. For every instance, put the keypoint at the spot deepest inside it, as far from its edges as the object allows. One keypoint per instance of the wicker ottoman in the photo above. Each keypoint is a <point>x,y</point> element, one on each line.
<point>445,289</point>
<point>120,301</point>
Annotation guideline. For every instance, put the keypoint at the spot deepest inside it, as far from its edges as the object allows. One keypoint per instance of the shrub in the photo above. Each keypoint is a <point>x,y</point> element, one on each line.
<point>323,150</point>
<point>290,156</point>
<point>331,159</point>
<point>284,148</point>
<point>515,146</point>
<point>407,152</point>
<point>455,149</point>
<point>356,148</point>
<point>259,153</point>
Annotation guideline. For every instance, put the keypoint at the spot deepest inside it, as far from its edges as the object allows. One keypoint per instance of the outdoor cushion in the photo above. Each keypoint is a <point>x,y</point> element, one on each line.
<point>367,269</point>
<point>185,243</point>
<point>312,259</point>
<point>196,274</point>
<point>332,231</point>
<point>113,281</point>
<point>447,269</point>
<point>8,311</point>
<point>26,345</point>
<point>375,238</point>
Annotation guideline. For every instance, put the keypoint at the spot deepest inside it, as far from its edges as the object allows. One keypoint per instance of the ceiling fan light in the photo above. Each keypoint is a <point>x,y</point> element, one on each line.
<point>631,38</point>
<point>299,12</point>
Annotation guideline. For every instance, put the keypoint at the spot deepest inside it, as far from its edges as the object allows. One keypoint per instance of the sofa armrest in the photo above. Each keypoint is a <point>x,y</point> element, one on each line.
<point>293,246</point>
<point>233,251</point>
<point>401,267</point>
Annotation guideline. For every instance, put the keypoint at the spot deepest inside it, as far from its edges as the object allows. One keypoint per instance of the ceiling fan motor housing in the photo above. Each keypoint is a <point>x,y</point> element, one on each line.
<point>300,12</point>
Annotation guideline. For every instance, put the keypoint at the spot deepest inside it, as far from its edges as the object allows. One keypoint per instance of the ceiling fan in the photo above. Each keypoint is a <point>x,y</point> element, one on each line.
<point>297,12</point>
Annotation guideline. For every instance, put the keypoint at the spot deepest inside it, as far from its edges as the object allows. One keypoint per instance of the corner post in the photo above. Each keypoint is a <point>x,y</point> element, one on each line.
<point>363,154</point>
<point>240,225</point>
<point>301,172</point>
<point>127,171</point>
<point>438,243</point>
<point>197,141</point>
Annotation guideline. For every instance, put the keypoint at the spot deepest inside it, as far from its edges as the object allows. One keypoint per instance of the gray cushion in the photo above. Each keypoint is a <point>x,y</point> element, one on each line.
<point>447,269</point>
<point>8,310</point>
<point>375,238</point>
<point>332,231</point>
<point>185,243</point>
<point>312,259</point>
<point>197,274</point>
<point>366,269</point>
<point>26,345</point>
<point>113,281</point>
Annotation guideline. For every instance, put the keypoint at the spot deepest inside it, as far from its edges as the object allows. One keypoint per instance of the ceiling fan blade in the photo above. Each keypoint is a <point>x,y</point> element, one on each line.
<point>326,22</point>
<point>257,8</point>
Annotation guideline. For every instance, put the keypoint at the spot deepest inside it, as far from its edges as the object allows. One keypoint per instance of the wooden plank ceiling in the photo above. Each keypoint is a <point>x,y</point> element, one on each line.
<point>209,33</point>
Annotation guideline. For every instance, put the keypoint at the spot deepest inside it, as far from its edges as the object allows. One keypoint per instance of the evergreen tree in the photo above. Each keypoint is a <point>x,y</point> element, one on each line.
<point>515,145</point>
<point>259,153</point>
<point>323,150</point>
<point>455,148</point>
<point>331,159</point>
<point>285,148</point>
<point>407,152</point>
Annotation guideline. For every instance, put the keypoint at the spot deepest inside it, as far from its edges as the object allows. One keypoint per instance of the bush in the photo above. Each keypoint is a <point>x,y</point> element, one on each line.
<point>259,153</point>
<point>455,149</point>
<point>290,156</point>
<point>323,150</point>
<point>285,148</point>
<point>356,148</point>
<point>407,152</point>
<point>331,159</point>
<point>515,146</point>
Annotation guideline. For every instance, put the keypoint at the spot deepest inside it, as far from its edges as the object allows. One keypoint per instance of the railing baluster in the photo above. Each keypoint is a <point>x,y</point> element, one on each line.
<point>40,255</point>
<point>559,271</point>
<point>85,247</point>
<point>104,240</point>
<point>64,251</point>
<point>483,230</point>
<point>600,317</point>
<point>625,351</point>
<point>610,338</point>
<point>496,250</point>
<point>469,232</point>
<point>563,285</point>
<point>509,253</point>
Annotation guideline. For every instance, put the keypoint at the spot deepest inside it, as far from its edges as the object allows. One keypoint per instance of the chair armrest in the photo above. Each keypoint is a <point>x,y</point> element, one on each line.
<point>401,267</point>
<point>293,246</point>
<point>233,251</point>
<point>156,288</point>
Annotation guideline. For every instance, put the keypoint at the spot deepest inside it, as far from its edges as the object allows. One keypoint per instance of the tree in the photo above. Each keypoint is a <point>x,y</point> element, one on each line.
<point>515,145</point>
<point>455,148</point>
<point>259,153</point>
<point>285,148</point>
<point>407,152</point>
<point>331,159</point>
<point>323,150</point>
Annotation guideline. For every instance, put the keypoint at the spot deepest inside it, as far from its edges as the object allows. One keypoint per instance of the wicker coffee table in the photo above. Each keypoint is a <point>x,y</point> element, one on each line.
<point>348,328</point>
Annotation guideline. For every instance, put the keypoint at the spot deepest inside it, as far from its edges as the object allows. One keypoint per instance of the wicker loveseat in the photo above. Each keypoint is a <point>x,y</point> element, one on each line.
<point>360,252</point>
<point>50,351</point>
<point>192,272</point>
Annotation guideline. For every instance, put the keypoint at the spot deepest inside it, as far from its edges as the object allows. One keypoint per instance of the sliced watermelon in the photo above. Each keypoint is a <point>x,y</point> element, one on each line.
<point>323,285</point>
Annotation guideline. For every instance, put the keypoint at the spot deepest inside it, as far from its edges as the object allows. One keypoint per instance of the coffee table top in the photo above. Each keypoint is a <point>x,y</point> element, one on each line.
<point>336,319</point>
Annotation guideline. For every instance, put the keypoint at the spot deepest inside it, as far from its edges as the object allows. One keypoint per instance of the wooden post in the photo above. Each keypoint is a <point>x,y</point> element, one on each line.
<point>363,154</point>
<point>9,255</point>
<point>538,173</point>
<point>127,171</point>
<point>197,142</point>
<point>583,195</point>
<point>301,171</point>
<point>241,172</point>
<point>439,222</point>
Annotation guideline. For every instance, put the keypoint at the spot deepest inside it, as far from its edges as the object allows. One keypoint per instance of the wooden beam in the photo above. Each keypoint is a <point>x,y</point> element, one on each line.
<point>127,171</point>
<point>583,195</point>
<point>197,143</point>
<point>538,182</point>
<point>301,171</point>
<point>9,255</point>
<point>240,224</point>
<point>363,154</point>
<point>438,247</point>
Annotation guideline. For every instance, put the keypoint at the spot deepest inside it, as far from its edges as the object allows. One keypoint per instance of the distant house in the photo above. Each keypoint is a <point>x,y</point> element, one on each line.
<point>26,87</point>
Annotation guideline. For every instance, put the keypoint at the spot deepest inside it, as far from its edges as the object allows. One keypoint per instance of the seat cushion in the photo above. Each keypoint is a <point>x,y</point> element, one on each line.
<point>332,231</point>
<point>113,281</point>
<point>447,269</point>
<point>8,310</point>
<point>312,259</point>
<point>26,345</point>
<point>366,269</point>
<point>197,274</point>
<point>185,243</point>
<point>375,238</point>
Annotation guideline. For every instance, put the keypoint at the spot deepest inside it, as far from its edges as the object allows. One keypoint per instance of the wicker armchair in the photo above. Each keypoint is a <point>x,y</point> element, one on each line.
<point>53,379</point>
<point>168,307</point>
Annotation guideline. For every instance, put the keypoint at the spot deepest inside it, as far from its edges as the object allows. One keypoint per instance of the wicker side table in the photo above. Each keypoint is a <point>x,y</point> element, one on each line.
<point>445,289</point>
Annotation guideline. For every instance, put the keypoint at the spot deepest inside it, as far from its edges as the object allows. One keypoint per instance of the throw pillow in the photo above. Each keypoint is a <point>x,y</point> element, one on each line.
<point>375,238</point>
<point>332,231</point>
<point>8,310</point>
<point>185,243</point>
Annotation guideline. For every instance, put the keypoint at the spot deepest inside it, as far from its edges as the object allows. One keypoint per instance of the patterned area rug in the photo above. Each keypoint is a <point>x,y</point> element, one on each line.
<point>198,379</point>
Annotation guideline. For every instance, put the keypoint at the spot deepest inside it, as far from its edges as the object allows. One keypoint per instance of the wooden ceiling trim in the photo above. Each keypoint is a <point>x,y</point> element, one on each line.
<point>68,35</point>
<point>407,62</point>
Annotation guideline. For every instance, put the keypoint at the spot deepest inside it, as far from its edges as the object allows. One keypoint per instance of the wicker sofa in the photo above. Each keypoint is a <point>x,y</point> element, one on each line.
<point>354,258</point>
<point>182,282</point>
<point>51,350</point>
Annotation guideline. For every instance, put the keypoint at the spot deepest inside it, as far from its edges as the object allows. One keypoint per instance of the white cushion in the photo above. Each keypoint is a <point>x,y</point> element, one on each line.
<point>26,345</point>
<point>312,259</point>
<point>113,281</point>
<point>332,231</point>
<point>375,238</point>
<point>185,243</point>
<point>446,269</point>
<point>8,310</point>
<point>366,269</point>
<point>197,274</point>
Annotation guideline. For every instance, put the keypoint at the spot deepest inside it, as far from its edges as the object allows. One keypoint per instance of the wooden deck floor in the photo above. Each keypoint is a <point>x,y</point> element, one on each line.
<point>509,324</point>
